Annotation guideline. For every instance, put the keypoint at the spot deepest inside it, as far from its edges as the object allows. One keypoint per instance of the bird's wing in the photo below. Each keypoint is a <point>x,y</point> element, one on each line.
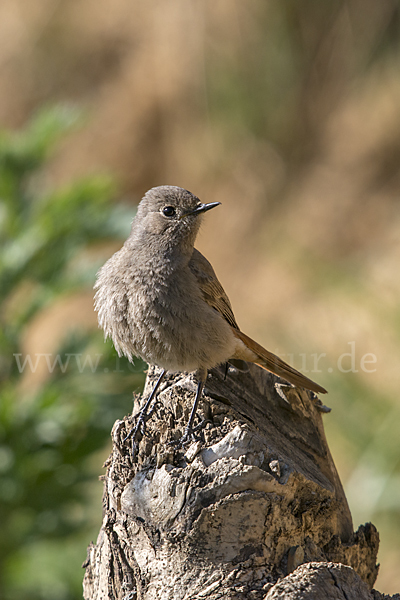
<point>214,295</point>
<point>213,292</point>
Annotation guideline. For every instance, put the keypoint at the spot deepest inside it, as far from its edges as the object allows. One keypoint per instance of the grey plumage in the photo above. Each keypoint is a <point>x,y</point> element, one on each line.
<point>148,298</point>
<point>160,299</point>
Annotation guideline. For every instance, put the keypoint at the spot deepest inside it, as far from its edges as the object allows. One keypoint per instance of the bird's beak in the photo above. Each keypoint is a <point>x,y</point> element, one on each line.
<point>202,208</point>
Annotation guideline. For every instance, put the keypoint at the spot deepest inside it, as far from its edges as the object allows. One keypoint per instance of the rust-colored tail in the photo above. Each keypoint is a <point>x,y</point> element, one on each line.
<point>273,363</point>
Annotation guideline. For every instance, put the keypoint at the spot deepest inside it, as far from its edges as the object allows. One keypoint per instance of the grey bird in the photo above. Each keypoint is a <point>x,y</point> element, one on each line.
<point>159,298</point>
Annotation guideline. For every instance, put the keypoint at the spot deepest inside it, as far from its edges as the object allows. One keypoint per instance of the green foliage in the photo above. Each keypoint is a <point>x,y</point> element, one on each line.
<point>49,435</point>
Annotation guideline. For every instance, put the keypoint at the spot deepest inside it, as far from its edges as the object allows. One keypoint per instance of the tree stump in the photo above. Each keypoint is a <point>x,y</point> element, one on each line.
<point>254,508</point>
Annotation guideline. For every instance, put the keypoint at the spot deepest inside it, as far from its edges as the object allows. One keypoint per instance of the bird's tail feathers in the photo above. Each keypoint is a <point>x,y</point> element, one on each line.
<point>269,361</point>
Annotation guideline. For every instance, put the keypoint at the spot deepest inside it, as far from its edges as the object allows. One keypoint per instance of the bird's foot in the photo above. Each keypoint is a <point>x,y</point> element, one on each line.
<point>144,416</point>
<point>140,428</point>
<point>189,435</point>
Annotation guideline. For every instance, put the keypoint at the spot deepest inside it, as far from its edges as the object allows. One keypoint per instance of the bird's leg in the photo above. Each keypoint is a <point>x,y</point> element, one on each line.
<point>143,417</point>
<point>189,430</point>
<point>189,427</point>
<point>226,370</point>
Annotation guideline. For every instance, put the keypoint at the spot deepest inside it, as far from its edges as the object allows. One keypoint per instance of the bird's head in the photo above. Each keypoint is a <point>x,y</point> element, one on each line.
<point>171,214</point>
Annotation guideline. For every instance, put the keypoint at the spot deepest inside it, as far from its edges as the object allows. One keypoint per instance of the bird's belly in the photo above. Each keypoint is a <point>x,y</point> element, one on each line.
<point>180,339</point>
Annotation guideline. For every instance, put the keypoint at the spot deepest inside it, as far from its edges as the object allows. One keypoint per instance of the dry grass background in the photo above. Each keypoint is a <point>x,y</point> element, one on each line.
<point>289,114</point>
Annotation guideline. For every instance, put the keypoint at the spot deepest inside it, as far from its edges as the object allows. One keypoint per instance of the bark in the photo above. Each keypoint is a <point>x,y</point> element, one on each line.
<point>252,509</point>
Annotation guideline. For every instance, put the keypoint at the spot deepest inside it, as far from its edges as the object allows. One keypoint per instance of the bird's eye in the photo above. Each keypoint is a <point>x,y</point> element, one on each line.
<point>169,211</point>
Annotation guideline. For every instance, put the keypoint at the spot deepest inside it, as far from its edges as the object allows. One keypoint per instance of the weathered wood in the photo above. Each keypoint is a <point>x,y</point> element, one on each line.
<point>241,508</point>
<point>321,581</point>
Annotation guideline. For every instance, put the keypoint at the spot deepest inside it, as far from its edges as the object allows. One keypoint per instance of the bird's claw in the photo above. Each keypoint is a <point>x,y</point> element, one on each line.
<point>141,424</point>
<point>189,435</point>
<point>139,427</point>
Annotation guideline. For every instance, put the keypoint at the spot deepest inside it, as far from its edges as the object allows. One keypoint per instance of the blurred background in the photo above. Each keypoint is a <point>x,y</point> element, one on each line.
<point>286,112</point>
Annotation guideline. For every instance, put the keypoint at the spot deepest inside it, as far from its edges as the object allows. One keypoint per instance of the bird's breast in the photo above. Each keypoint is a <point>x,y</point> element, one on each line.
<point>172,326</point>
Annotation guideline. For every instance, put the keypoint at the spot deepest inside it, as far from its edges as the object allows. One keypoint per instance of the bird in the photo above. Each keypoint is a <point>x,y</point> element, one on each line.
<point>158,298</point>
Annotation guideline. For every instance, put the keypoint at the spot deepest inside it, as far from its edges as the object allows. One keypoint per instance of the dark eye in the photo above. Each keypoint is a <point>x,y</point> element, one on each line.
<point>169,211</point>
